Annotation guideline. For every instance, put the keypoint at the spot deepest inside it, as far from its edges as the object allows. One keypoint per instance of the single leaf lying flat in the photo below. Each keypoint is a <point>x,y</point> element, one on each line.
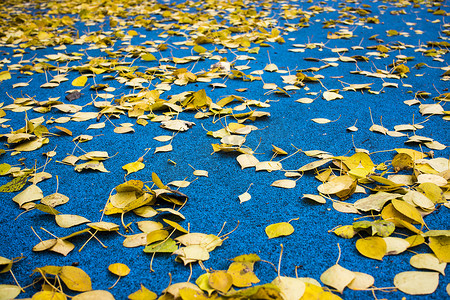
<point>337,277</point>
<point>321,120</point>
<point>417,282</point>
<point>372,247</point>
<point>14,185</point>
<point>133,167</point>
<point>290,287</point>
<point>428,261</point>
<point>31,193</point>
<point>244,197</point>
<point>220,281</point>
<point>331,96</point>
<point>93,295</point>
<point>284,183</point>
<point>119,269</point>
<point>441,247</point>
<point>279,229</point>
<point>75,279</point>
<point>362,281</point>
<point>316,198</point>
<point>80,81</point>
<point>143,294</point>
<point>67,221</point>
<point>9,291</point>
<point>242,273</point>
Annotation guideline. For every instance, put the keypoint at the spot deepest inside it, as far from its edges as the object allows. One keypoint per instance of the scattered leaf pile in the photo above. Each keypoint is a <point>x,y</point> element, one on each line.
<point>132,65</point>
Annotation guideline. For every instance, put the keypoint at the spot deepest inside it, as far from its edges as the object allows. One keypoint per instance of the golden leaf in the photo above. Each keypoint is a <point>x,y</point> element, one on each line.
<point>372,247</point>
<point>119,269</point>
<point>80,81</point>
<point>133,167</point>
<point>75,279</point>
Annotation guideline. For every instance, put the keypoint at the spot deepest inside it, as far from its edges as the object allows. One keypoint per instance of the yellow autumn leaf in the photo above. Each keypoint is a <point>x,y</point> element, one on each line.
<point>345,231</point>
<point>290,287</point>
<point>158,181</point>
<point>337,277</point>
<point>408,210</point>
<point>417,282</point>
<point>203,283</point>
<point>80,81</point>
<point>9,291</point>
<point>372,247</point>
<point>143,294</point>
<point>133,167</point>
<point>96,294</point>
<point>279,229</point>
<point>188,293</point>
<point>428,261</point>
<point>48,295</point>
<point>441,247</point>
<point>362,281</point>
<point>242,273</point>
<point>220,281</point>
<point>199,49</point>
<point>389,213</point>
<point>411,152</point>
<point>278,150</point>
<point>313,291</point>
<point>75,279</point>
<point>175,225</point>
<point>415,240</point>
<point>156,236</point>
<point>5,75</point>
<point>119,269</point>
<point>148,57</point>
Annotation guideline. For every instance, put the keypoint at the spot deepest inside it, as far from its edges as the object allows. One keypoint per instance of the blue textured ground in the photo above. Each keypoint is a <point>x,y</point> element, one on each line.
<point>214,200</point>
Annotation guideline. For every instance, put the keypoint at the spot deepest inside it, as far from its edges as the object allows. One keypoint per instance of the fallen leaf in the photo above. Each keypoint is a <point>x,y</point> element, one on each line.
<point>417,282</point>
<point>362,281</point>
<point>133,167</point>
<point>279,229</point>
<point>119,269</point>
<point>428,261</point>
<point>75,279</point>
<point>284,183</point>
<point>337,277</point>
<point>92,295</point>
<point>80,81</point>
<point>372,247</point>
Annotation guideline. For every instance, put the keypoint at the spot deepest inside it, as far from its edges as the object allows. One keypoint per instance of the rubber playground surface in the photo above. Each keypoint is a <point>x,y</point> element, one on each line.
<point>224,149</point>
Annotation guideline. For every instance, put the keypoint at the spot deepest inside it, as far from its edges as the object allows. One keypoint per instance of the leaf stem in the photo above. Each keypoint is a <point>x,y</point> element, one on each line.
<point>279,260</point>
<point>339,256</point>
<point>14,277</point>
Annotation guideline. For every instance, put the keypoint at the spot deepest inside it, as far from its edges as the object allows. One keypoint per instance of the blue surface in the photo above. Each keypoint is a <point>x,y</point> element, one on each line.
<point>214,200</point>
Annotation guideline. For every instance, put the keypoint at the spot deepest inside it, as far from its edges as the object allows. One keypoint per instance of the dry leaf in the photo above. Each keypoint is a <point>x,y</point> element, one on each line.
<point>428,261</point>
<point>362,281</point>
<point>67,221</point>
<point>80,81</point>
<point>166,148</point>
<point>244,197</point>
<point>279,229</point>
<point>337,277</point>
<point>119,269</point>
<point>284,183</point>
<point>316,198</point>
<point>417,282</point>
<point>372,247</point>
<point>331,96</point>
<point>93,295</point>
